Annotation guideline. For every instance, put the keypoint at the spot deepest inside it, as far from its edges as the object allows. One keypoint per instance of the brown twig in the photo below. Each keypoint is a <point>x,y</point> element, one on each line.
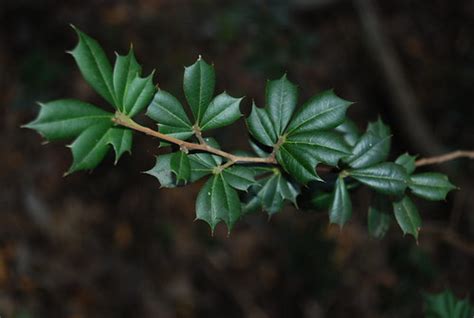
<point>446,157</point>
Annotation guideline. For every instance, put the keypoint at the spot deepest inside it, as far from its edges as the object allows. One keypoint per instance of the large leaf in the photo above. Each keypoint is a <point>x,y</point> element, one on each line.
<point>138,95</point>
<point>67,118</point>
<point>199,81</point>
<point>281,98</point>
<point>325,146</point>
<point>379,217</point>
<point>180,166</point>
<point>261,127</point>
<point>324,111</point>
<point>407,162</point>
<point>126,68</point>
<point>341,207</point>
<point>222,111</point>
<point>94,66</point>
<point>430,185</point>
<point>298,163</point>
<point>387,178</point>
<point>446,305</point>
<point>170,115</point>
<point>407,216</point>
<point>369,150</point>
<point>218,201</point>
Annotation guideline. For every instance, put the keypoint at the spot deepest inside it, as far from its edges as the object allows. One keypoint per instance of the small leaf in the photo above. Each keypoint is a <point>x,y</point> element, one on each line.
<point>387,178</point>
<point>349,131</point>
<point>170,115</point>
<point>325,146</point>
<point>341,207</point>
<point>446,305</point>
<point>430,185</point>
<point>239,177</point>
<point>199,81</point>
<point>138,95</point>
<point>261,127</point>
<point>180,166</point>
<point>94,66</point>
<point>407,162</point>
<point>324,111</point>
<point>281,98</point>
<point>218,201</point>
<point>379,217</point>
<point>162,171</point>
<point>379,128</point>
<point>121,141</point>
<point>369,150</point>
<point>126,68</point>
<point>407,216</point>
<point>222,111</point>
<point>67,118</point>
<point>297,163</point>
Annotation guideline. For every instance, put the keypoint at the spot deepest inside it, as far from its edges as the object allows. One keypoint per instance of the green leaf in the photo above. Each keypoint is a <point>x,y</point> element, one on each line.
<point>67,118</point>
<point>170,115</point>
<point>387,178</point>
<point>430,185</point>
<point>94,66</point>
<point>180,166</point>
<point>297,163</point>
<point>261,127</point>
<point>324,111</point>
<point>281,98</point>
<point>90,147</point>
<point>369,150</point>
<point>121,141</point>
<point>407,162</point>
<point>325,146</point>
<point>258,150</point>
<point>162,171</point>
<point>407,216</point>
<point>138,95</point>
<point>446,305</point>
<point>379,128</point>
<point>218,201</point>
<point>222,111</point>
<point>239,177</point>
<point>199,82</point>
<point>322,200</point>
<point>379,217</point>
<point>126,68</point>
<point>349,131</point>
<point>341,207</point>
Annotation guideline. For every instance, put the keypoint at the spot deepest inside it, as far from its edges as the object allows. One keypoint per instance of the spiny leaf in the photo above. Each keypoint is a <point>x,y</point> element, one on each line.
<point>94,66</point>
<point>180,166</point>
<point>430,185</point>
<point>407,162</point>
<point>379,218</point>
<point>323,111</point>
<point>126,68</point>
<point>138,95</point>
<point>281,98</point>
<point>297,163</point>
<point>387,178</point>
<point>218,201</point>
<point>407,216</point>
<point>371,149</point>
<point>446,305</point>
<point>261,127</point>
<point>349,131</point>
<point>170,115</point>
<point>341,207</point>
<point>239,177</point>
<point>325,146</point>
<point>162,171</point>
<point>67,118</point>
<point>199,81</point>
<point>222,111</point>
<point>121,141</point>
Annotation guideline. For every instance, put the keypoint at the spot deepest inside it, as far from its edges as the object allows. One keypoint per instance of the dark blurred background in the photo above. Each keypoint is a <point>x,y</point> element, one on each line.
<point>112,244</point>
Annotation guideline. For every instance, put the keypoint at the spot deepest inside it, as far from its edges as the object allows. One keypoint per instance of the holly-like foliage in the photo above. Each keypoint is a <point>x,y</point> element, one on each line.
<point>446,305</point>
<point>291,144</point>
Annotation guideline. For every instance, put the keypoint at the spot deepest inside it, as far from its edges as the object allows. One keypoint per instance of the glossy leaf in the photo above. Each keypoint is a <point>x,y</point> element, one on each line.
<point>430,185</point>
<point>222,111</point>
<point>407,216</point>
<point>446,305</point>
<point>379,217</point>
<point>67,118</point>
<point>126,68</point>
<point>324,111</point>
<point>407,162</point>
<point>341,207</point>
<point>297,163</point>
<point>170,115</point>
<point>94,66</point>
<point>387,178</point>
<point>138,95</point>
<point>218,201</point>
<point>261,127</point>
<point>369,150</point>
<point>349,131</point>
<point>281,99</point>
<point>199,82</point>
<point>121,140</point>
<point>239,177</point>
<point>180,166</point>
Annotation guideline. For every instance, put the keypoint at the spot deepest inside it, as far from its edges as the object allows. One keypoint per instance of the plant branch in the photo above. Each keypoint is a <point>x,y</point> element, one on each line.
<point>446,157</point>
<point>123,120</point>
